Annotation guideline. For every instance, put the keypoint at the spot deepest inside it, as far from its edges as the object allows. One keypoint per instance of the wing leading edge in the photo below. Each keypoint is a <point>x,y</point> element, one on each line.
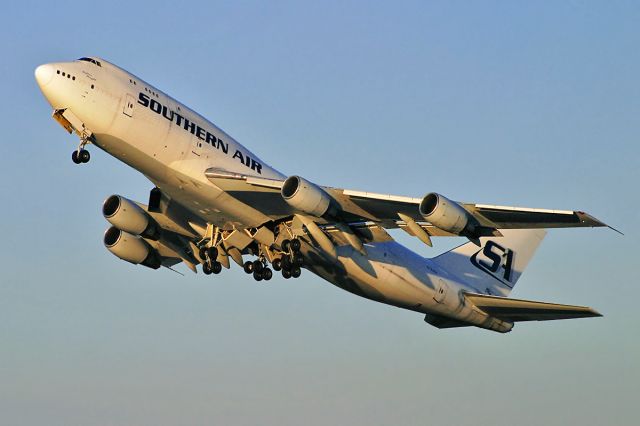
<point>392,211</point>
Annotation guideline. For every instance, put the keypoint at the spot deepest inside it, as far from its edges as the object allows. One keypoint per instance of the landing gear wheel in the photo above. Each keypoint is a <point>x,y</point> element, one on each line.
<point>84,156</point>
<point>295,245</point>
<point>258,266</point>
<point>277,264</point>
<point>295,271</point>
<point>285,263</point>
<point>203,253</point>
<point>213,253</point>
<point>286,274</point>
<point>216,267</point>
<point>248,267</point>
<point>206,269</point>
<point>257,276</point>
<point>285,245</point>
<point>298,259</point>
<point>267,274</point>
<point>75,158</point>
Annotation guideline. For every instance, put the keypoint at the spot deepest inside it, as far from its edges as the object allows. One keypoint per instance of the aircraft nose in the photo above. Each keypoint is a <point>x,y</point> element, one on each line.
<point>44,74</point>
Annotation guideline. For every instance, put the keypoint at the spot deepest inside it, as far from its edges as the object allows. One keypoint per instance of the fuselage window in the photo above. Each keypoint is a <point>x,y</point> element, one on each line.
<point>58,71</point>
<point>63,74</point>
<point>93,61</point>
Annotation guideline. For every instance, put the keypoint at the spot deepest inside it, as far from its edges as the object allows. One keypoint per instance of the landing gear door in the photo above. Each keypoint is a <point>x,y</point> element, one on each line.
<point>129,102</point>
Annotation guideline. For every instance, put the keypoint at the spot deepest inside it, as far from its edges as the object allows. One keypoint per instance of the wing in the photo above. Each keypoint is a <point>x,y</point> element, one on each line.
<point>515,310</point>
<point>364,209</point>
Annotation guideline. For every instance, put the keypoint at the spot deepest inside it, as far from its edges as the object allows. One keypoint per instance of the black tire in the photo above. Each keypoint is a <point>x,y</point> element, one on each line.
<point>84,156</point>
<point>248,267</point>
<point>295,271</point>
<point>295,245</point>
<point>267,274</point>
<point>285,263</point>
<point>277,264</point>
<point>285,245</point>
<point>206,269</point>
<point>203,253</point>
<point>258,266</point>
<point>75,158</point>
<point>216,267</point>
<point>298,259</point>
<point>286,274</point>
<point>213,253</point>
<point>257,276</point>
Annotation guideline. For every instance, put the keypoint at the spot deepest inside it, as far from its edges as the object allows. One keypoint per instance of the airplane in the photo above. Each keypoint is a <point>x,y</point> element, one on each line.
<point>214,202</point>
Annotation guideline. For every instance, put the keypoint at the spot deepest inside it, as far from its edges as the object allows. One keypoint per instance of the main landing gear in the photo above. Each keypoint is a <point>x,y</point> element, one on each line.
<point>287,260</point>
<point>259,270</point>
<point>210,265</point>
<point>291,261</point>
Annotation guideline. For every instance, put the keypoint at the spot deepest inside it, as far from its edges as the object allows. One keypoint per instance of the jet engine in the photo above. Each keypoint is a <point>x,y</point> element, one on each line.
<point>305,196</point>
<point>126,215</point>
<point>131,248</point>
<point>445,214</point>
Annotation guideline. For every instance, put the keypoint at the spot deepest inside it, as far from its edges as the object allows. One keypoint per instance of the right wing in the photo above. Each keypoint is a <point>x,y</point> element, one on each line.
<point>365,210</point>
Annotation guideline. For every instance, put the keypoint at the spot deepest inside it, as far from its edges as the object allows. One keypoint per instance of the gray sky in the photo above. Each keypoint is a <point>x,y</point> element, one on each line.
<point>515,103</point>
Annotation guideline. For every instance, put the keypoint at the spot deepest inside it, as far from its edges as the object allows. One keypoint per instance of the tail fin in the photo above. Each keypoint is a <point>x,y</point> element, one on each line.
<point>495,266</point>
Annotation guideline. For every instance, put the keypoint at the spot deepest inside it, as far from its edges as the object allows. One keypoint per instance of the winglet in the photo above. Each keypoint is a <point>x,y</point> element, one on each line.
<point>589,220</point>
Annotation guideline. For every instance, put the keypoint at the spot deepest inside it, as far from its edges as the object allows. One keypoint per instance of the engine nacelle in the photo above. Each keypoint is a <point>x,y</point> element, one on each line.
<point>305,196</point>
<point>445,214</point>
<point>126,215</point>
<point>131,248</point>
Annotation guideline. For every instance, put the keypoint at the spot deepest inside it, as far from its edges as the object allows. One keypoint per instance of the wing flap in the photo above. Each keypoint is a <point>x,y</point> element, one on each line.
<point>515,310</point>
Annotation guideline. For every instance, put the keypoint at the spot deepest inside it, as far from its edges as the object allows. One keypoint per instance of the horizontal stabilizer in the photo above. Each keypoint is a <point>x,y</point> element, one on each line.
<point>514,310</point>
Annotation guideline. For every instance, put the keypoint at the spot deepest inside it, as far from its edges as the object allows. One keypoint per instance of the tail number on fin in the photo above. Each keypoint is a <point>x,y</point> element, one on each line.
<point>492,257</point>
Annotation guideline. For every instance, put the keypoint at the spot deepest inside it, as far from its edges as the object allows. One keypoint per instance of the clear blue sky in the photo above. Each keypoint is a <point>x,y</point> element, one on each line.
<point>521,103</point>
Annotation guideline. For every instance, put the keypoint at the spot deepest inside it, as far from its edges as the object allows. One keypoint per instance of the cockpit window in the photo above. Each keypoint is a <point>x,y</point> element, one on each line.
<point>93,61</point>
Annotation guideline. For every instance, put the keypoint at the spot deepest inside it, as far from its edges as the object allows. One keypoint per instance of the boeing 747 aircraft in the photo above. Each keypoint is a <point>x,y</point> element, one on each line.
<point>215,202</point>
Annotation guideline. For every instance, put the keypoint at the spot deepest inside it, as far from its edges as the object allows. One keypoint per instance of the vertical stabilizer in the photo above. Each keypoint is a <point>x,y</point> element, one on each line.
<point>495,266</point>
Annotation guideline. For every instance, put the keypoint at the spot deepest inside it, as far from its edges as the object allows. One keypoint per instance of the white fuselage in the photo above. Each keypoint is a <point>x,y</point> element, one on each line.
<point>173,145</point>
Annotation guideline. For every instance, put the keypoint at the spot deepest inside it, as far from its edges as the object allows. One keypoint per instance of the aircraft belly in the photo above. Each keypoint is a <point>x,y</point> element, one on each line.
<point>380,275</point>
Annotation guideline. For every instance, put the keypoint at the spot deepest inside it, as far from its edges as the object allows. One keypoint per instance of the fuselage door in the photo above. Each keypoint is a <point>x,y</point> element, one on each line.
<point>129,102</point>
<point>196,147</point>
<point>440,290</point>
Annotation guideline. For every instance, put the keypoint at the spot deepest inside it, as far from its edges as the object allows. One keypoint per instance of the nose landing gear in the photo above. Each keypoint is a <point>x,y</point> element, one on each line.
<point>81,155</point>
